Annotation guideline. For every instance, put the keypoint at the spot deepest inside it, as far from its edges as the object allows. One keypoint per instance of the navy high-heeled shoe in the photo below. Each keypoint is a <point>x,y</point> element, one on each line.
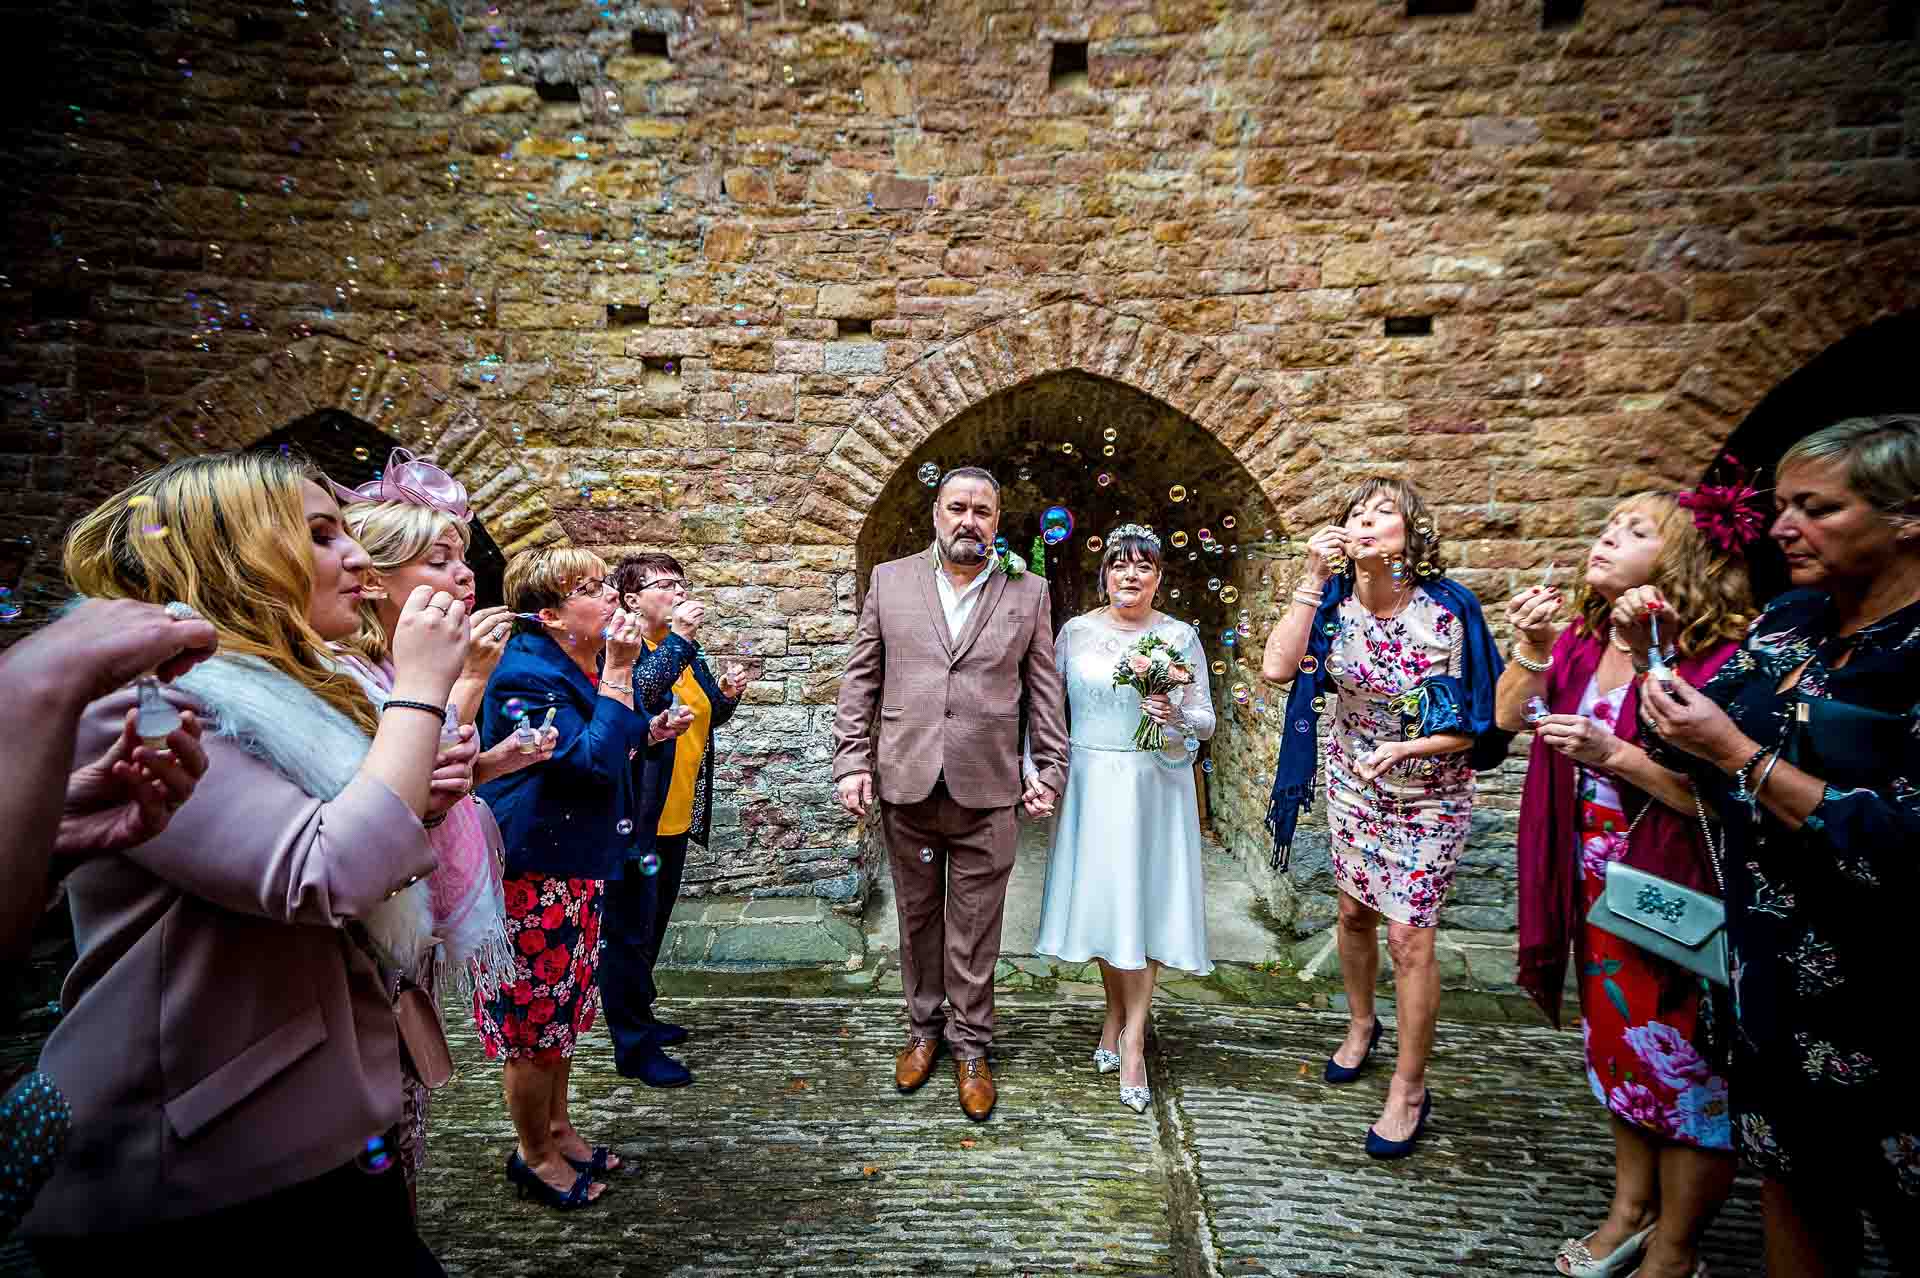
<point>597,1165</point>
<point>1338,1073</point>
<point>529,1185</point>
<point>1379,1146</point>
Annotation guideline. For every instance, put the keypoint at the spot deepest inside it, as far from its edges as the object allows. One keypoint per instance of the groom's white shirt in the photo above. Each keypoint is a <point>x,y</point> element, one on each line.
<point>958,604</point>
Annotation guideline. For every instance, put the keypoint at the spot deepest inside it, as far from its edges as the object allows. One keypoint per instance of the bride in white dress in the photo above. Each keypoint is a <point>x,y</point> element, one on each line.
<point>1124,879</point>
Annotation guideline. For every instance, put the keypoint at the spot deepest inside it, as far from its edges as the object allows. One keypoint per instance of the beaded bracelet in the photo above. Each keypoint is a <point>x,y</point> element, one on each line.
<point>1740,775</point>
<point>1535,667</point>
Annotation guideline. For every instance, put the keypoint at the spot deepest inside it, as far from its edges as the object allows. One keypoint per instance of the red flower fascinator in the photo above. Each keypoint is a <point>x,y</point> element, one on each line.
<point>415,481</point>
<point>1726,514</point>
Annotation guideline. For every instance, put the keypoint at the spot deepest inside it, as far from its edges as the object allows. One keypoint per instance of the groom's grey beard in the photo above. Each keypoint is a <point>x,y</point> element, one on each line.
<point>962,557</point>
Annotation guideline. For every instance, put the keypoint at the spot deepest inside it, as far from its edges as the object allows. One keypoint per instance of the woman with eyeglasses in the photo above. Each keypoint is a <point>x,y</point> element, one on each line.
<point>675,785</point>
<point>576,665</point>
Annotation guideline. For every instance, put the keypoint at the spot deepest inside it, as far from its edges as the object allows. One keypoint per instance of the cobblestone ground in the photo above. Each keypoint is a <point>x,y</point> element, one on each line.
<point>793,1154</point>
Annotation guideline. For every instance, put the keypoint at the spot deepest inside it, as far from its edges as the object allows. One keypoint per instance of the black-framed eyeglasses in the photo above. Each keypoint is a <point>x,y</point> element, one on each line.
<point>669,583</point>
<point>588,589</point>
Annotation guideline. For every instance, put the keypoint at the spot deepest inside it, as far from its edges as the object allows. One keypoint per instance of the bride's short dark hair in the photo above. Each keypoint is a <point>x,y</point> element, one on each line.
<point>1127,546</point>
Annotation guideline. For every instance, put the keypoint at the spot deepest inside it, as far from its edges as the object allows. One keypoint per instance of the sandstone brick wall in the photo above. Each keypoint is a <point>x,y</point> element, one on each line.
<point>706,276</point>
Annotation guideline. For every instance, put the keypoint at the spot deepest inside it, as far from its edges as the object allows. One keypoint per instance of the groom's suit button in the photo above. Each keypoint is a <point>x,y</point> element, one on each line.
<point>949,714</point>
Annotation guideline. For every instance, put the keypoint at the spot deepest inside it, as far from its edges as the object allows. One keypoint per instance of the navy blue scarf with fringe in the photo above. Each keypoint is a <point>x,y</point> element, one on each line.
<point>1449,703</point>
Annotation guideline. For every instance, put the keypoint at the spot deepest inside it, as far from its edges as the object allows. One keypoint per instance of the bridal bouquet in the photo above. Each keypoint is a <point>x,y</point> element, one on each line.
<point>1150,666</point>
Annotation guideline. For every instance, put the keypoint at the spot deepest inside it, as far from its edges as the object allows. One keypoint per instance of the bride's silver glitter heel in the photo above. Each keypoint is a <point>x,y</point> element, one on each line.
<point>1104,1061</point>
<point>1136,1098</point>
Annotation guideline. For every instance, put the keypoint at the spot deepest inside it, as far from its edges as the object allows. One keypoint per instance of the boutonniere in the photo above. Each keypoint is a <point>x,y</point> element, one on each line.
<point>1008,563</point>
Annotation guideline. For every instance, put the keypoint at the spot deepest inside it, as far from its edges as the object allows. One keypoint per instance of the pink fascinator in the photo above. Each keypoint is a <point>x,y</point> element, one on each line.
<point>1725,514</point>
<point>413,480</point>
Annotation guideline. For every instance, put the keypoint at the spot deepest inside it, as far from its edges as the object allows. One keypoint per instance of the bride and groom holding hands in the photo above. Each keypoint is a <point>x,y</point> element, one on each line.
<point>953,658</point>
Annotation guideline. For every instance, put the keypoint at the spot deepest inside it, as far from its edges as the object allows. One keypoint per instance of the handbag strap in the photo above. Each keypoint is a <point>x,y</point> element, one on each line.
<point>1715,852</point>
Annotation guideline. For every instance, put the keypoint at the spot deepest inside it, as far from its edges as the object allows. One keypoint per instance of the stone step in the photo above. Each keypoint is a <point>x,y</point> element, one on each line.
<point>744,932</point>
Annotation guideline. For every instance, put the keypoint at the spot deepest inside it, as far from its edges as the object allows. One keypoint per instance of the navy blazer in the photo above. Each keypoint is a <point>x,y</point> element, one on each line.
<point>562,818</point>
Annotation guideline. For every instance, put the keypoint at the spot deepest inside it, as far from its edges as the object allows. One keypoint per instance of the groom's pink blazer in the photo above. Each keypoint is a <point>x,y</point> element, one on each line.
<point>917,703</point>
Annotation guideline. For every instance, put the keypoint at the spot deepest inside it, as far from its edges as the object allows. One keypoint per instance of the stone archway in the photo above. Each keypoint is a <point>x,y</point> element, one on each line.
<point>1236,406</point>
<point>422,408</point>
<point>1051,437</point>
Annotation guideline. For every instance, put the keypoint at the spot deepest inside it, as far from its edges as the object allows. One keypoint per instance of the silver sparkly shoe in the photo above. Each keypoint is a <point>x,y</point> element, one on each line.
<point>1104,1061</point>
<point>1136,1098</point>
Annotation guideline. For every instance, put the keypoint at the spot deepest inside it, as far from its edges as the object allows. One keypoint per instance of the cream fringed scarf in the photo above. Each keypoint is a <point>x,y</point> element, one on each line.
<point>284,725</point>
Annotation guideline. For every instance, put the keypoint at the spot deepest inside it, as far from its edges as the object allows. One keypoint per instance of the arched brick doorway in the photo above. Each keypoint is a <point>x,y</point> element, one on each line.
<point>1867,372</point>
<point>351,452</point>
<point>1109,453</point>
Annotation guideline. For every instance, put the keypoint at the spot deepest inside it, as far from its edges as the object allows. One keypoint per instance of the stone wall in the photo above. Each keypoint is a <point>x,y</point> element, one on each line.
<point>707,277</point>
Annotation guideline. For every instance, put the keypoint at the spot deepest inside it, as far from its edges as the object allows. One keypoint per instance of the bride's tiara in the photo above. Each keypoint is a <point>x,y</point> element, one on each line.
<point>1141,531</point>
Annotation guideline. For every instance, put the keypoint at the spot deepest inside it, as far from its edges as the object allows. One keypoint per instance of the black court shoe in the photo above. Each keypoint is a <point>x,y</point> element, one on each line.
<point>1338,1073</point>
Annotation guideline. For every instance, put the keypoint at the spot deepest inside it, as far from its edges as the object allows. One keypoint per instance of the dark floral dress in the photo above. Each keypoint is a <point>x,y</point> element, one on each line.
<point>1817,916</point>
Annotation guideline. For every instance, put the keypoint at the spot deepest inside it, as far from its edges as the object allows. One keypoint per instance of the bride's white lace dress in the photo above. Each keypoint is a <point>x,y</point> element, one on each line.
<point>1124,877</point>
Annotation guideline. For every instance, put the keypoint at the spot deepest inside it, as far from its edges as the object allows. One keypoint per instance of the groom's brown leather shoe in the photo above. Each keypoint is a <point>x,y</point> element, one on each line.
<point>976,1087</point>
<point>914,1065</point>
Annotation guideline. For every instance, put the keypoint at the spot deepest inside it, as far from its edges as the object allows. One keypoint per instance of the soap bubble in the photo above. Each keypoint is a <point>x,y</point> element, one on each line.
<point>1227,521</point>
<point>359,454</point>
<point>1330,627</point>
<point>624,826</point>
<point>1000,543</point>
<point>1176,592</point>
<point>376,1156</point>
<point>929,474</point>
<point>1302,725</point>
<point>650,863</point>
<point>1206,765</point>
<point>926,856</point>
<point>1026,473</point>
<point>1103,479</point>
<point>9,610</point>
<point>514,707</point>
<point>1109,434</point>
<point>1179,539</point>
<point>1213,583</point>
<point>1067,448</point>
<point>1192,555</point>
<point>1229,638</point>
<point>1094,544</point>
<point>1424,568</point>
<point>1107,451</point>
<point>1536,709</point>
<point>1056,525</point>
<point>1259,705</point>
<point>1218,668</point>
<point>1176,493</point>
<point>1309,664</point>
<point>1240,694</point>
<point>1206,534</point>
<point>1228,594</point>
<point>1336,664</point>
<point>1320,704</point>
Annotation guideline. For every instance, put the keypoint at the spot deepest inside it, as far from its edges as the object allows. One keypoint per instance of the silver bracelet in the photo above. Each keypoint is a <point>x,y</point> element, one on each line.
<point>1536,667</point>
<point>1311,601</point>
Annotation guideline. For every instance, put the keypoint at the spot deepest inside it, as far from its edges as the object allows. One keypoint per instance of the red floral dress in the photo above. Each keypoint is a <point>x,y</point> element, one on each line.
<point>1640,1015</point>
<point>551,997</point>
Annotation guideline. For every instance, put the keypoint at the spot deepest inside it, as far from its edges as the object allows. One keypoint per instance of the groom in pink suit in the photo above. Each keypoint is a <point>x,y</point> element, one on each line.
<point>954,651</point>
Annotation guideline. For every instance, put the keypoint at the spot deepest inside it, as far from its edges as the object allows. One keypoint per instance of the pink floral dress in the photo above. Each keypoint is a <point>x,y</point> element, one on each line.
<point>1396,841</point>
<point>1639,1015</point>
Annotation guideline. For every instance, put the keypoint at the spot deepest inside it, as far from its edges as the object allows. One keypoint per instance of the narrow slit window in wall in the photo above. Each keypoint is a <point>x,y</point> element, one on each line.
<point>1409,326</point>
<point>626,314</point>
<point>652,43</point>
<point>853,330</point>
<point>1558,15</point>
<point>1069,67</point>
<point>1437,8</point>
<point>556,91</point>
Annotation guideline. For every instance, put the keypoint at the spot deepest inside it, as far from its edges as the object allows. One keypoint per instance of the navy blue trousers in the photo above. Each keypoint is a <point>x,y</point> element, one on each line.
<point>633,926</point>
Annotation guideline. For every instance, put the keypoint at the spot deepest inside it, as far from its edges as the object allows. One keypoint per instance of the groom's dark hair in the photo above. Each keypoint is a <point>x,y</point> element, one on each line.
<point>967,472</point>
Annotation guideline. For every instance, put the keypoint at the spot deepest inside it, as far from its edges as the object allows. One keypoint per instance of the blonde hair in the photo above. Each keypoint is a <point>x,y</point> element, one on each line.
<point>235,548</point>
<point>544,576</point>
<point>1882,456</point>
<point>1423,531</point>
<point>1705,587</point>
<point>394,534</point>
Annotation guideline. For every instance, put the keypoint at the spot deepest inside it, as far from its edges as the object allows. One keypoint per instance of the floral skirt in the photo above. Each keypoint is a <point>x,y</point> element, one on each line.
<point>539,1011</point>
<point>1640,1017</point>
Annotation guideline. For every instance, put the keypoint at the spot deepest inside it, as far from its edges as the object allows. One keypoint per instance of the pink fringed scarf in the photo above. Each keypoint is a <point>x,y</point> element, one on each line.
<point>469,912</point>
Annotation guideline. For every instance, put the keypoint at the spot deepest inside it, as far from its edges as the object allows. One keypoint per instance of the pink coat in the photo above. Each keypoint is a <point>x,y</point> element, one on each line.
<point>223,1038</point>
